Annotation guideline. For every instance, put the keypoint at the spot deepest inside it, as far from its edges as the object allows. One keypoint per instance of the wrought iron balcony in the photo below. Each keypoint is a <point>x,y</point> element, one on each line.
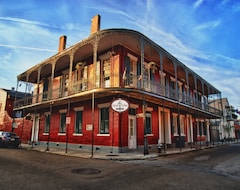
<point>129,81</point>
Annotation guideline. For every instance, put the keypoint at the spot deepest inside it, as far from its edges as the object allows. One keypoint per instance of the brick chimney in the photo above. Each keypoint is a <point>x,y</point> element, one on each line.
<point>95,24</point>
<point>62,43</point>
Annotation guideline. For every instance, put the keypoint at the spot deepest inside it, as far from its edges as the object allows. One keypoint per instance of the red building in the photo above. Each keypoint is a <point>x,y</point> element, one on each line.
<point>74,91</point>
<point>10,120</point>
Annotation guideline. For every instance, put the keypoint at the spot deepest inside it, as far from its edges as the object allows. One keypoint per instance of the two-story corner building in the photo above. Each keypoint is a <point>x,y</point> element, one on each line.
<point>74,90</point>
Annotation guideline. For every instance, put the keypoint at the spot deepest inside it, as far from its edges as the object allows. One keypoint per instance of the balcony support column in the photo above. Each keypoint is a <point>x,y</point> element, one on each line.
<point>195,92</point>
<point>161,74</point>
<point>70,74</point>
<point>187,93</point>
<point>52,77</point>
<point>95,43</point>
<point>38,81</point>
<point>142,60</point>
<point>176,81</point>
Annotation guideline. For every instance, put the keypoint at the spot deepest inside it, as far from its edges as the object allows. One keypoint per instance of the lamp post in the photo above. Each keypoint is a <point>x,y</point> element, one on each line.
<point>145,142</point>
<point>49,129</point>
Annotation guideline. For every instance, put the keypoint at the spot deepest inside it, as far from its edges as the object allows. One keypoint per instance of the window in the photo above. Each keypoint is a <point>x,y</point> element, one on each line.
<point>202,130</point>
<point>62,123</point>
<point>148,129</point>
<point>106,72</point>
<point>131,70</point>
<point>45,89</point>
<point>78,122</point>
<point>174,124</point>
<point>47,123</point>
<point>104,120</point>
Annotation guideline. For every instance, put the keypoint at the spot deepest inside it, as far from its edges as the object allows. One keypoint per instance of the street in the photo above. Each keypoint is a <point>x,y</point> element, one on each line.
<point>215,168</point>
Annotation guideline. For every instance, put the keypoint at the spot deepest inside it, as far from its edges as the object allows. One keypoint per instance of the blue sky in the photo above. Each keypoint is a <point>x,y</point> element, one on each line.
<point>202,34</point>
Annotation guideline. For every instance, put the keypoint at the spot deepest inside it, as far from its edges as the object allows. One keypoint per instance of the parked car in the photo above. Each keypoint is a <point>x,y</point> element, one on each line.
<point>9,139</point>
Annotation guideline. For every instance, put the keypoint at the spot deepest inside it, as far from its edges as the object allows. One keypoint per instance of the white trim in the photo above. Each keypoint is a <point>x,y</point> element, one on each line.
<point>132,57</point>
<point>78,108</point>
<point>103,135</point>
<point>168,125</point>
<point>150,135</point>
<point>179,83</point>
<point>63,111</point>
<point>133,106</point>
<point>77,134</point>
<point>172,79</point>
<point>162,73</point>
<point>47,113</point>
<point>149,109</point>
<point>104,105</point>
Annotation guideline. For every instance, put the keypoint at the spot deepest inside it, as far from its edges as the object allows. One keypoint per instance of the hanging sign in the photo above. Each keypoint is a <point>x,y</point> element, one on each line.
<point>68,120</point>
<point>120,105</point>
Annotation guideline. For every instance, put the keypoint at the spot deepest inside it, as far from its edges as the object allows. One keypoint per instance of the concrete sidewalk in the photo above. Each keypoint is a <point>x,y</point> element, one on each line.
<point>136,155</point>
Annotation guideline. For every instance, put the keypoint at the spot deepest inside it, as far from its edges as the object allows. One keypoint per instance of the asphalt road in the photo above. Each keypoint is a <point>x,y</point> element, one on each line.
<point>216,168</point>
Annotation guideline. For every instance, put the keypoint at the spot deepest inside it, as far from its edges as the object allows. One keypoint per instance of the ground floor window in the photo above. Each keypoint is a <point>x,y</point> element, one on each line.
<point>62,128</point>
<point>148,123</point>
<point>202,129</point>
<point>78,122</point>
<point>47,123</point>
<point>104,120</point>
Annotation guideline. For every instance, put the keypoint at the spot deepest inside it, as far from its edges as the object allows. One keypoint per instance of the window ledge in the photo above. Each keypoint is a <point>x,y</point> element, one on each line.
<point>77,134</point>
<point>103,135</point>
<point>150,135</point>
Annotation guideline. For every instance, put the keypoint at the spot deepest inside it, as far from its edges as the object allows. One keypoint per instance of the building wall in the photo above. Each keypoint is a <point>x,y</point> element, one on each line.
<point>3,98</point>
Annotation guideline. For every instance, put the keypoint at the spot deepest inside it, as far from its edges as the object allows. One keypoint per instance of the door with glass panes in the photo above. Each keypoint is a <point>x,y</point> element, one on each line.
<point>132,137</point>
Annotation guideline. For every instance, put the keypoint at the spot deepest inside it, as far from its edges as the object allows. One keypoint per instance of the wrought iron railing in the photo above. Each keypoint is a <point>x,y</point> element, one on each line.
<point>129,81</point>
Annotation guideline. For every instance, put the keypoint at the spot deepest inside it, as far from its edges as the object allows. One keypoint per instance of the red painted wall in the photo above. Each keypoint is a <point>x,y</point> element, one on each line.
<point>22,127</point>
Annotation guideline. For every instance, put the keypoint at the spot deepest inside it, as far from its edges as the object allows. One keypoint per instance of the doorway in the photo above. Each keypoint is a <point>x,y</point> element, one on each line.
<point>35,129</point>
<point>132,135</point>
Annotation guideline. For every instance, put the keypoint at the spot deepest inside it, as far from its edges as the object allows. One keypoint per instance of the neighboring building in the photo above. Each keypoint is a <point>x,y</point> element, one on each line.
<point>7,98</point>
<point>75,88</point>
<point>237,128</point>
<point>7,123</point>
<point>223,129</point>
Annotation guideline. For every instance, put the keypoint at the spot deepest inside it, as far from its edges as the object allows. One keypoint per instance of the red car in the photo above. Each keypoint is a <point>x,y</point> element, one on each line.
<point>9,139</point>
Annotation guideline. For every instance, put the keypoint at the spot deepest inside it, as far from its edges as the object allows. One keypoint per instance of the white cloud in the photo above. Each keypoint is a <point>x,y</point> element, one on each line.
<point>24,21</point>
<point>5,58</point>
<point>197,4</point>
<point>27,48</point>
<point>208,25</point>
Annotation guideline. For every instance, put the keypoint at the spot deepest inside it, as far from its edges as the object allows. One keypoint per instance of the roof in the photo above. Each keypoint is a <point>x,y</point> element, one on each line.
<point>15,94</point>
